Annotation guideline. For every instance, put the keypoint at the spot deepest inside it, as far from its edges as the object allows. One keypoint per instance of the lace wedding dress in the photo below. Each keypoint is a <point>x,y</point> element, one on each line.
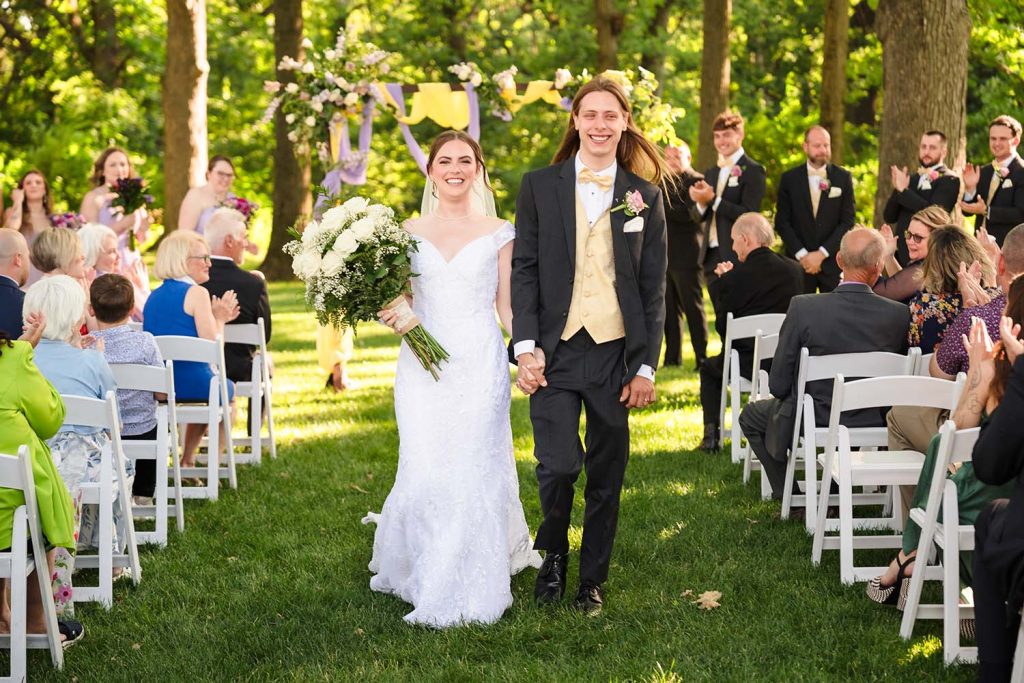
<point>452,530</point>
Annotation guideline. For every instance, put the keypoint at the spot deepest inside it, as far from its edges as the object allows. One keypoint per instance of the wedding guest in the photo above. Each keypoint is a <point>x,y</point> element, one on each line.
<point>939,301</point>
<point>113,165</point>
<point>200,202</point>
<point>333,352</point>
<point>99,243</point>
<point>902,283</point>
<point>933,183</point>
<point>850,319</point>
<point>14,265</point>
<point>226,235</point>
<point>994,193</point>
<point>31,411</point>
<point>983,392</point>
<point>72,370</point>
<point>30,206</point>
<point>181,306</point>
<point>684,291</point>
<point>113,299</point>
<point>58,251</point>
<point>761,282</point>
<point>998,584</point>
<point>815,209</point>
<point>732,188</point>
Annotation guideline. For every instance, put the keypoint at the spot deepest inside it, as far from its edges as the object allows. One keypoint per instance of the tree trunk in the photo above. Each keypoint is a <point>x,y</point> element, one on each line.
<point>609,22</point>
<point>106,53</point>
<point>184,104</point>
<point>863,111</point>
<point>653,58</point>
<point>924,85</point>
<point>290,194</point>
<point>833,72</point>
<point>452,12</point>
<point>714,76</point>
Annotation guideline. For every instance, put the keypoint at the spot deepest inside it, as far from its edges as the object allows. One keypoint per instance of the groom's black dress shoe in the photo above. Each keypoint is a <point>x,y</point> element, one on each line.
<point>589,599</point>
<point>550,585</point>
<point>710,443</point>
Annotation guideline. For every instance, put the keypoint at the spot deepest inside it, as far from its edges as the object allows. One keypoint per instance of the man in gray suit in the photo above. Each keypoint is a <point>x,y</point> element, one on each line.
<point>851,319</point>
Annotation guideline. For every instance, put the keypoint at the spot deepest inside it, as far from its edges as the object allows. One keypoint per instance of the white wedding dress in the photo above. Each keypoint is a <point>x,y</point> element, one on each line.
<point>452,530</point>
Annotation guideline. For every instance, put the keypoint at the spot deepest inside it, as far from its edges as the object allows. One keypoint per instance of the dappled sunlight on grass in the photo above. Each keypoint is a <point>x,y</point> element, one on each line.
<point>923,648</point>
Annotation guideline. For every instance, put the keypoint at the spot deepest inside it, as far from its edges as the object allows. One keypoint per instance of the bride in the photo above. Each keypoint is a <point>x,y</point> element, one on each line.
<point>452,530</point>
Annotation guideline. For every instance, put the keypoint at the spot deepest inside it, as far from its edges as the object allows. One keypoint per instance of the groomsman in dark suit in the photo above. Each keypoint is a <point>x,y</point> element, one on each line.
<point>994,193</point>
<point>13,276</point>
<point>732,188</point>
<point>932,184</point>
<point>814,210</point>
<point>684,288</point>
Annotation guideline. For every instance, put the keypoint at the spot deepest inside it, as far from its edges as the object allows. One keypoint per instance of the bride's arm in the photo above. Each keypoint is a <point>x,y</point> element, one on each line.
<point>503,301</point>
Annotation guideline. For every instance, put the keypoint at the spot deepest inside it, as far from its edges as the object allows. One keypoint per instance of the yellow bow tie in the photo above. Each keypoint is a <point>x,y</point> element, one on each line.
<point>724,162</point>
<point>602,181</point>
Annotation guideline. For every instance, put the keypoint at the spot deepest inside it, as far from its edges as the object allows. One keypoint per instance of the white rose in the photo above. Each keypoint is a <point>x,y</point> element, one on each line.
<point>345,244</point>
<point>307,264</point>
<point>307,44</point>
<point>317,106</point>
<point>334,218</point>
<point>379,212</point>
<point>351,99</point>
<point>562,78</point>
<point>340,82</point>
<point>357,204</point>
<point>332,263</point>
<point>476,80</point>
<point>289,119</point>
<point>292,88</point>
<point>329,54</point>
<point>309,233</point>
<point>362,229</point>
<point>310,121</point>
<point>293,137</point>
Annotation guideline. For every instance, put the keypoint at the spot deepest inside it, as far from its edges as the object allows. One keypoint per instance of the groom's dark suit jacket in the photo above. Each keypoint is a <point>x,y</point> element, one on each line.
<point>544,263</point>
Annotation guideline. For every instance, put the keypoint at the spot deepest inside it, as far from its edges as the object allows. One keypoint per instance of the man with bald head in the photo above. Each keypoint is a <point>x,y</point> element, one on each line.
<point>850,319</point>
<point>814,210</point>
<point>226,233</point>
<point>13,276</point>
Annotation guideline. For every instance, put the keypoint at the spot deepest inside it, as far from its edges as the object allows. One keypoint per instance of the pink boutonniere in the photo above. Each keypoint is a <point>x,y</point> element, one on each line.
<point>823,185</point>
<point>1003,171</point>
<point>736,171</point>
<point>933,175</point>
<point>632,204</point>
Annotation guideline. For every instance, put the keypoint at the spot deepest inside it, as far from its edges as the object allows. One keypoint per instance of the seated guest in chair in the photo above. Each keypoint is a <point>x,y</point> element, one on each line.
<point>78,371</point>
<point>761,282</point>
<point>31,411</point>
<point>986,384</point>
<point>14,263</point>
<point>226,235</point>
<point>850,319</point>
<point>181,306</point>
<point>113,299</point>
<point>902,283</point>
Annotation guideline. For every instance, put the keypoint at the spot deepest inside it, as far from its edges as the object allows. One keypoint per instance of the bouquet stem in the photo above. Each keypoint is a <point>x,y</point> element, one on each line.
<point>428,352</point>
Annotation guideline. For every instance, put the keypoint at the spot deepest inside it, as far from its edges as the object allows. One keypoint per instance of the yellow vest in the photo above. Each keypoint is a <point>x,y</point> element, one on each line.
<point>594,306</point>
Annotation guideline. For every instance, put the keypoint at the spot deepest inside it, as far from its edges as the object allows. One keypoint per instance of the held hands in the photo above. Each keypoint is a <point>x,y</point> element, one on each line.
<point>639,393</point>
<point>900,178</point>
<point>702,193</point>
<point>225,308</point>
<point>530,376</point>
<point>32,331</point>
<point>723,267</point>
<point>812,261</point>
<point>1009,334</point>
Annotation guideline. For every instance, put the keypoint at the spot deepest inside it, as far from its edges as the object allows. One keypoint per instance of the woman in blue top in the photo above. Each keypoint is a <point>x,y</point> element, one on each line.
<point>180,306</point>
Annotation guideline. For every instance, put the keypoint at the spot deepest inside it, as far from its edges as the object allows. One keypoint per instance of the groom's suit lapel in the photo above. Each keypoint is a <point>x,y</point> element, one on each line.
<point>566,194</point>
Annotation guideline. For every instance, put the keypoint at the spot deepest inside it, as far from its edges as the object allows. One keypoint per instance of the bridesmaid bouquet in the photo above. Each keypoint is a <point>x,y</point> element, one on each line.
<point>243,206</point>
<point>130,196</point>
<point>355,262</point>
<point>69,220</point>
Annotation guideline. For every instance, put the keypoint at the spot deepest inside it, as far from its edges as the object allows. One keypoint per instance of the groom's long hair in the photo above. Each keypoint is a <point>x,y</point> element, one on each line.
<point>636,153</point>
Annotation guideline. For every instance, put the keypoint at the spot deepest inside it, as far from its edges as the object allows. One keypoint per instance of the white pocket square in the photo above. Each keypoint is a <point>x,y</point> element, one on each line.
<point>635,224</point>
<point>1007,183</point>
<point>733,181</point>
<point>834,192</point>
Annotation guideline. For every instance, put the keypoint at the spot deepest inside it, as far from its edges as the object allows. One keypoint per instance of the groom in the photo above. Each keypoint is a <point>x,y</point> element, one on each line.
<point>588,287</point>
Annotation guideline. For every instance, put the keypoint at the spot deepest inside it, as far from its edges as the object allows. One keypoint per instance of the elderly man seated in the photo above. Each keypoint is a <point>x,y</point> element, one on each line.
<point>850,319</point>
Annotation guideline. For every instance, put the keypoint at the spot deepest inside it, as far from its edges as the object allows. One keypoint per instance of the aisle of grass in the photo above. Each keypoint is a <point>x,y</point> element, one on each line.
<point>270,583</point>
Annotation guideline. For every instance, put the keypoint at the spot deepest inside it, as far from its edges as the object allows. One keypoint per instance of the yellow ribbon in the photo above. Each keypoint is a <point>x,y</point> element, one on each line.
<point>450,109</point>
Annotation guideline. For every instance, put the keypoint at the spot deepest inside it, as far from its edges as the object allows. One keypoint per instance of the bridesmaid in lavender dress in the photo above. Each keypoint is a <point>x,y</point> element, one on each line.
<point>201,201</point>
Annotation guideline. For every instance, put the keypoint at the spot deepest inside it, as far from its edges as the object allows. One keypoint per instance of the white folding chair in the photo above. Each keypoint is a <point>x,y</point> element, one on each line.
<point>923,363</point>
<point>732,381</point>
<point>871,468</point>
<point>102,413</point>
<point>214,413</point>
<point>137,326</point>
<point>807,434</point>
<point>157,380</point>
<point>764,348</point>
<point>1017,676</point>
<point>16,564</point>
<point>951,537</point>
<point>258,390</point>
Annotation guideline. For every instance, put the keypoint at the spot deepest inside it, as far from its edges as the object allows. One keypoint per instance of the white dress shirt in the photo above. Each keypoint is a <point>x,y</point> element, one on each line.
<point>1005,163</point>
<point>814,178</point>
<point>723,178</point>
<point>595,202</point>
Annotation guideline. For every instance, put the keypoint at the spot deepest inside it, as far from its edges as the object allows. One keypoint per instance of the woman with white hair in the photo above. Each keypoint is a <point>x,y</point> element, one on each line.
<point>76,449</point>
<point>102,256</point>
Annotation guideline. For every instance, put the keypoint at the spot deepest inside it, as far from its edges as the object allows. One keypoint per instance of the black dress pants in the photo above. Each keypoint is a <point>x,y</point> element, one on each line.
<point>587,375</point>
<point>995,628</point>
<point>684,297</point>
<point>145,470</point>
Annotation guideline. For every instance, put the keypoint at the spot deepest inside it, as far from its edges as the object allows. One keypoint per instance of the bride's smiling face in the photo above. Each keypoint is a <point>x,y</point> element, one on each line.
<point>454,169</point>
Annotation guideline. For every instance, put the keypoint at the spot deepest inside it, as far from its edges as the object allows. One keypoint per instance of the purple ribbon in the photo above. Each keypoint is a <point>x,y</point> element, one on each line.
<point>353,174</point>
<point>395,90</point>
<point>474,112</point>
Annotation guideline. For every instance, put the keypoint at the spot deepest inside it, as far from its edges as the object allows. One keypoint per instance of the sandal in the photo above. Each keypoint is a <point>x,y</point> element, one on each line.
<point>73,631</point>
<point>896,594</point>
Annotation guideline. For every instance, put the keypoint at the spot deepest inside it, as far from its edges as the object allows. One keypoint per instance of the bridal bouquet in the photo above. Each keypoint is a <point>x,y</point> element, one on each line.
<point>355,262</point>
<point>130,196</point>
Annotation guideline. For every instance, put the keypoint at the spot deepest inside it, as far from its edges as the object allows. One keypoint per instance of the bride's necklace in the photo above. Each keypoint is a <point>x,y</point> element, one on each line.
<point>452,218</point>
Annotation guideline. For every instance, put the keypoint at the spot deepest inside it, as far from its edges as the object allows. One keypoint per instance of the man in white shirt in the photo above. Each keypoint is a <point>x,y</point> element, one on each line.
<point>994,193</point>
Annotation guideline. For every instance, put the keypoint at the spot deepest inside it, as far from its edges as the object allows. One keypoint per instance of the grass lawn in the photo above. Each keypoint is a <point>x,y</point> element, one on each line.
<point>270,582</point>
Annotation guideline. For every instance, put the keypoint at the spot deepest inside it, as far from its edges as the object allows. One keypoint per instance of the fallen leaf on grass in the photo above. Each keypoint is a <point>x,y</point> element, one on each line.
<point>358,631</point>
<point>752,521</point>
<point>687,593</point>
<point>136,646</point>
<point>356,487</point>
<point>708,600</point>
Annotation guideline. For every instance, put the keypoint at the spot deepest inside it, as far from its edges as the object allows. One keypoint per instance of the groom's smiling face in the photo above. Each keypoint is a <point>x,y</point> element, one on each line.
<point>600,121</point>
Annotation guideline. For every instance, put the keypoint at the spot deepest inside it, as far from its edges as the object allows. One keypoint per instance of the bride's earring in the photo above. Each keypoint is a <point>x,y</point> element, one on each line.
<point>433,187</point>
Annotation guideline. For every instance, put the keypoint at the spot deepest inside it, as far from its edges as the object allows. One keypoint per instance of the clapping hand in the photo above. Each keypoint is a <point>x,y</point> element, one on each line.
<point>701,192</point>
<point>1009,334</point>
<point>989,244</point>
<point>981,352</point>
<point>32,331</point>
<point>17,197</point>
<point>530,376</point>
<point>971,176</point>
<point>723,267</point>
<point>969,282</point>
<point>977,206</point>
<point>225,308</point>
<point>889,238</point>
<point>900,178</point>
<point>90,342</point>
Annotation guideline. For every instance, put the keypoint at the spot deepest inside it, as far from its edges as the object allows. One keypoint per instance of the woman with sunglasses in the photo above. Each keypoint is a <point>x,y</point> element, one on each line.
<point>902,283</point>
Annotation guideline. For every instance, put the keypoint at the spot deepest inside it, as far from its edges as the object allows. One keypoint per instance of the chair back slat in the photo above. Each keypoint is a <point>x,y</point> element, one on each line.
<point>872,364</point>
<point>903,390</point>
<point>924,364</point>
<point>10,473</point>
<point>173,347</point>
<point>747,326</point>
<point>84,411</point>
